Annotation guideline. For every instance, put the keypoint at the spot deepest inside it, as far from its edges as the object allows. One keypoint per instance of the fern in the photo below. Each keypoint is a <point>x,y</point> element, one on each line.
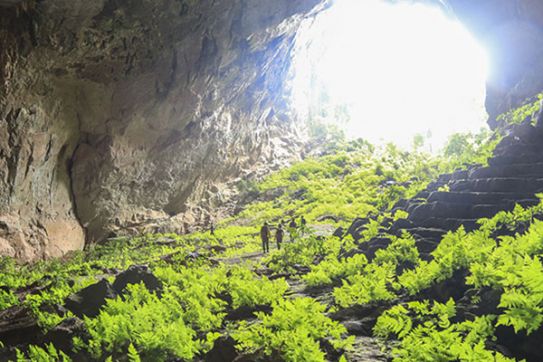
<point>426,333</point>
<point>293,330</point>
<point>42,354</point>
<point>133,355</point>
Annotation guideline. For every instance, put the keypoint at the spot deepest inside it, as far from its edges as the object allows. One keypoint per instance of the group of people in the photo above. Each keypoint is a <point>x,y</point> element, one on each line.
<point>293,229</point>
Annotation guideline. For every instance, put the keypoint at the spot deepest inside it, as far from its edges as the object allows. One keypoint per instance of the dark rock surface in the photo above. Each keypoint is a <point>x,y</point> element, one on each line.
<point>62,335</point>
<point>18,325</point>
<point>134,275</point>
<point>224,350</point>
<point>520,345</point>
<point>88,301</point>
<point>244,312</point>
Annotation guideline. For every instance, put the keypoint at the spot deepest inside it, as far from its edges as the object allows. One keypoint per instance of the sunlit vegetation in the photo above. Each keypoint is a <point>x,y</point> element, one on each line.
<point>527,112</point>
<point>206,285</point>
<point>294,328</point>
<point>356,178</point>
<point>427,333</point>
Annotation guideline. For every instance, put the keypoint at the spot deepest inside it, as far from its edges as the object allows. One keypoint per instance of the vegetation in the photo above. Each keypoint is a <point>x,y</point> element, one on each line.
<point>427,333</point>
<point>205,285</point>
<point>293,330</point>
<point>527,112</point>
<point>355,179</point>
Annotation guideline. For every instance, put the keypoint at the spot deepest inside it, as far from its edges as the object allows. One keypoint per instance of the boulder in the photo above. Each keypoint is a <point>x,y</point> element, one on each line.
<point>357,328</point>
<point>520,345</point>
<point>134,275</point>
<point>356,228</point>
<point>19,325</point>
<point>339,232</point>
<point>224,350</point>
<point>245,312</point>
<point>61,336</point>
<point>88,301</point>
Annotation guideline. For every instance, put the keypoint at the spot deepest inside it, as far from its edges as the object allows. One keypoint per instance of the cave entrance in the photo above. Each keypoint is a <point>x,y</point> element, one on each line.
<point>387,72</point>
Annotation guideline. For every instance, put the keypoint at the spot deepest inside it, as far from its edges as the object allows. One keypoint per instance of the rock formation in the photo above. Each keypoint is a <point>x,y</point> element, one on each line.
<point>115,113</point>
<point>514,176</point>
<point>512,33</point>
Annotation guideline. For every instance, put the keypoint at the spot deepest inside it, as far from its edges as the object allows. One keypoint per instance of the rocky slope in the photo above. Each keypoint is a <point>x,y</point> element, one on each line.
<point>514,176</point>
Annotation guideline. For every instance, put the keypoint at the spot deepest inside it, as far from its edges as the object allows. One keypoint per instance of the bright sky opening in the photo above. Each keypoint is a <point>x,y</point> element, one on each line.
<point>387,72</point>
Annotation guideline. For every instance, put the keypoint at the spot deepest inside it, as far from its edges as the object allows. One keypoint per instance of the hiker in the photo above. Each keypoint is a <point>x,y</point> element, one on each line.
<point>292,229</point>
<point>212,229</point>
<point>302,224</point>
<point>265,236</point>
<point>279,235</point>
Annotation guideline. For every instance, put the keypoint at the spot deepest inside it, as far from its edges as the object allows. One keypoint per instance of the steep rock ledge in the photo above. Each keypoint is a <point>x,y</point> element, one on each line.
<point>116,114</point>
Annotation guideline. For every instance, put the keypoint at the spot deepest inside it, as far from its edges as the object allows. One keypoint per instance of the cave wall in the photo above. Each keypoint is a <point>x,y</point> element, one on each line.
<point>512,33</point>
<point>121,116</point>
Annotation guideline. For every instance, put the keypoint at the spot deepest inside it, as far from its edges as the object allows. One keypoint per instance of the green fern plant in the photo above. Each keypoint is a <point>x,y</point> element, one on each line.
<point>293,330</point>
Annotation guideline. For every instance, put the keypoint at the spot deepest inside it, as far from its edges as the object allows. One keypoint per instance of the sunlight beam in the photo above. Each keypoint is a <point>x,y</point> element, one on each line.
<point>391,72</point>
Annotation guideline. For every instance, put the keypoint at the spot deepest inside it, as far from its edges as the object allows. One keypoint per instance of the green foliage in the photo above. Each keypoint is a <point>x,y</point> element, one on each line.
<point>397,320</point>
<point>371,285</point>
<point>511,220</point>
<point>59,290</point>
<point>514,267</point>
<point>470,148</point>
<point>351,182</point>
<point>7,299</point>
<point>427,333</point>
<point>523,297</point>
<point>236,239</point>
<point>400,250</point>
<point>348,180</point>
<point>293,330</point>
<point>332,269</point>
<point>376,281</point>
<point>511,265</point>
<point>518,115</point>
<point>304,252</point>
<point>156,326</point>
<point>133,355</point>
<point>246,290</point>
<point>42,354</point>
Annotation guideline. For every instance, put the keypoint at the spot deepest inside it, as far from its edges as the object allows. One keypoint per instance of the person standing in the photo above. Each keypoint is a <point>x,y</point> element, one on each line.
<point>265,236</point>
<point>279,235</point>
<point>292,229</point>
<point>302,225</point>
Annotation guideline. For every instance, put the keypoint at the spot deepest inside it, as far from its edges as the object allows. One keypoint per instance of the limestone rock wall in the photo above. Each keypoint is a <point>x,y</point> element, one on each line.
<point>117,116</point>
<point>512,31</point>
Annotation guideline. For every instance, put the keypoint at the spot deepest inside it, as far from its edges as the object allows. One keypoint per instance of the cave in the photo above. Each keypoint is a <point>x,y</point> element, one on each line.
<point>124,119</point>
<point>115,121</point>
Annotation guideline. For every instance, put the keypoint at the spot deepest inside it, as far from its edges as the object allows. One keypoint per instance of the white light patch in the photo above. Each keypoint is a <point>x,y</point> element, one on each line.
<point>390,72</point>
